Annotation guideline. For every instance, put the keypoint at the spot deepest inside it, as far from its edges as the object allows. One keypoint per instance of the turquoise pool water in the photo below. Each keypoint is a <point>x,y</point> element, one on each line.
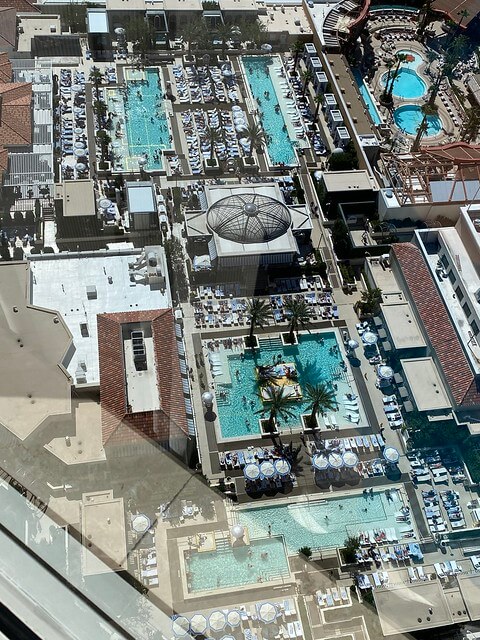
<point>146,119</point>
<point>258,69</point>
<point>228,567</point>
<point>408,119</point>
<point>408,83</point>
<point>316,358</point>
<point>367,98</point>
<point>326,524</point>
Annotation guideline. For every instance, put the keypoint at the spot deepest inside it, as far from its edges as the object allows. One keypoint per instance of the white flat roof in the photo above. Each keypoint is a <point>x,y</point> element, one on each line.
<point>78,198</point>
<point>356,180</point>
<point>97,21</point>
<point>383,277</point>
<point>424,381</point>
<point>402,325</point>
<point>60,282</point>
<point>141,198</point>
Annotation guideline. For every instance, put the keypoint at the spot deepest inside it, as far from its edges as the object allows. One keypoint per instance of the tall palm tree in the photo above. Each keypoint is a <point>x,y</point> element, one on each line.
<point>307,77</point>
<point>399,57</point>
<point>103,140</point>
<point>255,135</point>
<point>426,16</point>
<point>471,126</point>
<point>276,405</point>
<point>463,14</point>
<point>300,315</point>
<point>369,302</point>
<point>258,313</point>
<point>321,398</point>
<point>297,49</point>
<point>213,136</point>
<point>318,101</point>
<point>96,77</point>
<point>455,51</point>
<point>191,32</point>
<point>427,110</point>
<point>224,33</point>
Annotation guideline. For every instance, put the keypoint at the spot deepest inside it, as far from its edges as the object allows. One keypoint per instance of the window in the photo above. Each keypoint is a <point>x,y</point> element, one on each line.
<point>451,277</point>
<point>474,326</point>
<point>466,309</point>
<point>459,294</point>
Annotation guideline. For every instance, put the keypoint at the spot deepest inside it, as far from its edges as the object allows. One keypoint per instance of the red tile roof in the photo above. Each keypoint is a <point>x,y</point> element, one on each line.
<point>5,68</point>
<point>437,323</point>
<point>20,6</point>
<point>119,425</point>
<point>15,113</point>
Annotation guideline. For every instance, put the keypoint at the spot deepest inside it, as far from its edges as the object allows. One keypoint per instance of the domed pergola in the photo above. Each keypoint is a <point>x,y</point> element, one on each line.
<point>249,218</point>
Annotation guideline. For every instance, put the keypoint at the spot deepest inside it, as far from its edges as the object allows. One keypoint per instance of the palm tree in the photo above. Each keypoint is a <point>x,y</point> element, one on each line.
<point>318,101</point>
<point>297,49</point>
<point>369,302</point>
<point>426,16</point>
<point>213,136</point>
<point>399,57</point>
<point>427,110</point>
<point>277,406</point>
<point>321,398</point>
<point>191,32</point>
<point>224,33</point>
<point>258,313</point>
<point>103,140</point>
<point>431,57</point>
<point>456,50</point>
<point>463,14</point>
<point>300,316</point>
<point>471,125</point>
<point>307,77</point>
<point>256,137</point>
<point>96,77</point>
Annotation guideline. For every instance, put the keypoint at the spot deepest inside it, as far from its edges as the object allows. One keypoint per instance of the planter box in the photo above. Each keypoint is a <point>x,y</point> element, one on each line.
<point>211,169</point>
<point>286,341</point>
<point>249,167</point>
<point>255,344</point>
<point>305,418</point>
<point>263,428</point>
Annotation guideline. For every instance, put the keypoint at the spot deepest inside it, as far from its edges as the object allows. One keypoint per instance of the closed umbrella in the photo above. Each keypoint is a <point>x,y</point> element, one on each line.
<point>251,471</point>
<point>79,153</point>
<point>350,459</point>
<point>79,145</point>
<point>352,344</point>
<point>198,623</point>
<point>267,612</point>
<point>233,618</point>
<point>267,469</point>
<point>141,523</point>
<point>180,626</point>
<point>391,454</point>
<point>335,460</point>
<point>217,621</point>
<point>369,337</point>
<point>385,372</point>
<point>282,467</point>
<point>320,462</point>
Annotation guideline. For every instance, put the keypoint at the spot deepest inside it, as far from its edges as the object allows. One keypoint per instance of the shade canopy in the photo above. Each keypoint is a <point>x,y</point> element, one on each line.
<point>180,626</point>
<point>233,618</point>
<point>352,344</point>
<point>252,471</point>
<point>217,621</point>
<point>267,612</point>
<point>320,462</point>
<point>266,47</point>
<point>282,467</point>
<point>391,454</point>
<point>350,459</point>
<point>141,523</point>
<point>104,203</point>
<point>335,460</point>
<point>385,372</point>
<point>267,469</point>
<point>369,337</point>
<point>198,623</point>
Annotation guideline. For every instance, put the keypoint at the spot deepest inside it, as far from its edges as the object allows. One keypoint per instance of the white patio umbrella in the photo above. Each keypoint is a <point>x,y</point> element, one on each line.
<point>267,612</point>
<point>79,145</point>
<point>320,462</point>
<point>391,454</point>
<point>352,344</point>
<point>198,623</point>
<point>385,372</point>
<point>267,469</point>
<point>217,621</point>
<point>80,166</point>
<point>283,467</point>
<point>228,637</point>
<point>141,523</point>
<point>79,130</point>
<point>335,460</point>
<point>104,203</point>
<point>350,459</point>
<point>180,626</point>
<point>266,47</point>
<point>369,337</point>
<point>252,471</point>
<point>79,153</point>
<point>233,618</point>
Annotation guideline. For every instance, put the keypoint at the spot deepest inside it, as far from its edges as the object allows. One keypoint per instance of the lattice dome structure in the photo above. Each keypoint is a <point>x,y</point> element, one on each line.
<point>249,218</point>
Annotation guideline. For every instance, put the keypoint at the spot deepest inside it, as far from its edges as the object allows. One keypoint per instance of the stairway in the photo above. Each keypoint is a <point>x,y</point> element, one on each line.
<point>48,214</point>
<point>271,344</point>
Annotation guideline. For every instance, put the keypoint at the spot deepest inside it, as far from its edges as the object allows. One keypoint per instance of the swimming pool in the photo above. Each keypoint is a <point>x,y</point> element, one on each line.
<point>258,70</point>
<point>409,116</point>
<point>326,523</point>
<point>367,98</point>
<point>263,560</point>
<point>317,359</point>
<point>408,83</point>
<point>146,119</point>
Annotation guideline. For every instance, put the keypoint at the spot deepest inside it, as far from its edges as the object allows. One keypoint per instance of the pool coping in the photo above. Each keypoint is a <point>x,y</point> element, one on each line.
<point>182,546</point>
<point>258,437</point>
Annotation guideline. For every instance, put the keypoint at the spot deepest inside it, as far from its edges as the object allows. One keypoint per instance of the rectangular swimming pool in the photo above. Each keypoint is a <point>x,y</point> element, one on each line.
<point>367,98</point>
<point>263,560</point>
<point>326,523</point>
<point>317,358</point>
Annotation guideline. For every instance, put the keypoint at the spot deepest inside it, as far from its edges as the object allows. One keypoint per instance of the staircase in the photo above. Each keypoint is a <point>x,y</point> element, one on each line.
<point>271,344</point>
<point>48,214</point>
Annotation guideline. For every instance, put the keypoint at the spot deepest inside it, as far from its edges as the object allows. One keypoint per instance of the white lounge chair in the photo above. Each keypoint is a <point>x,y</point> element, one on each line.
<point>333,420</point>
<point>439,570</point>
<point>376,579</point>
<point>411,574</point>
<point>344,594</point>
<point>421,573</point>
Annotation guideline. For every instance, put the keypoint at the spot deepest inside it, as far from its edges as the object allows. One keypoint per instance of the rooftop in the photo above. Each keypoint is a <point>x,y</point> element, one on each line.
<point>339,181</point>
<point>103,533</point>
<point>97,21</point>
<point>284,18</point>
<point>140,197</point>
<point>182,5</point>
<point>453,8</point>
<point>78,198</point>
<point>34,342</point>
<point>382,276</point>
<point>81,285</point>
<point>437,323</point>
<point>425,384</point>
<point>402,325</point>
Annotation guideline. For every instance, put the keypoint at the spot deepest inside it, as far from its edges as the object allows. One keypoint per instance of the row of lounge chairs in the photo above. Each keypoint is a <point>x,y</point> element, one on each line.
<point>333,597</point>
